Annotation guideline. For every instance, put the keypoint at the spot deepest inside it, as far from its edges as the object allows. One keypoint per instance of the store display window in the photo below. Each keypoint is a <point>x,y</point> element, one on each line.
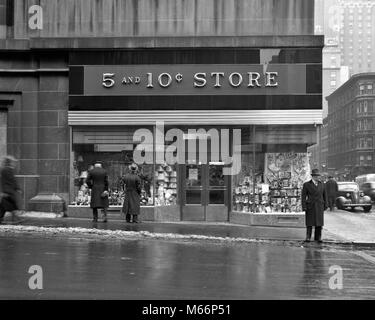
<point>114,147</point>
<point>272,174</point>
<point>166,185</point>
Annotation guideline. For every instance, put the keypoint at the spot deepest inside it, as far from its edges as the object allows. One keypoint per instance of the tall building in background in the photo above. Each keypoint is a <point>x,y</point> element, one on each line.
<point>348,27</point>
<point>357,41</point>
<point>351,125</point>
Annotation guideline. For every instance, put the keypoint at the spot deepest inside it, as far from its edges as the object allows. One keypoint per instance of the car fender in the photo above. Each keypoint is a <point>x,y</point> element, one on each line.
<point>340,201</point>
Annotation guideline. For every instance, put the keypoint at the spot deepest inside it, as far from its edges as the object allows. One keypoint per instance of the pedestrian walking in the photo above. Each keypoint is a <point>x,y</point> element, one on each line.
<point>132,188</point>
<point>314,203</point>
<point>331,189</point>
<point>9,189</point>
<point>97,181</point>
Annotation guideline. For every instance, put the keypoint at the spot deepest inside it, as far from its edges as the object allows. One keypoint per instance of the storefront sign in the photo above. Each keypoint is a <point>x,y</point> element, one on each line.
<point>237,79</point>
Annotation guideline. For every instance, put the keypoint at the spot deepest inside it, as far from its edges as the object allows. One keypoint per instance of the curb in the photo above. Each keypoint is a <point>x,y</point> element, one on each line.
<point>142,234</point>
<point>338,241</point>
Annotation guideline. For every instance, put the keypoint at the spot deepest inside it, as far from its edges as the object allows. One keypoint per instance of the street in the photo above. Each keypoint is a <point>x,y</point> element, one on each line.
<point>80,267</point>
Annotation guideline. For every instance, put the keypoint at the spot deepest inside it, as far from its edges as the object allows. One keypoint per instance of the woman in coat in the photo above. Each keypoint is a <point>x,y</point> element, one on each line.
<point>97,181</point>
<point>9,187</point>
<point>314,203</point>
<point>132,188</point>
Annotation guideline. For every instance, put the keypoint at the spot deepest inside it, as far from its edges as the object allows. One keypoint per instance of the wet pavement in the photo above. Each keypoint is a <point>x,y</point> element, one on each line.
<point>82,268</point>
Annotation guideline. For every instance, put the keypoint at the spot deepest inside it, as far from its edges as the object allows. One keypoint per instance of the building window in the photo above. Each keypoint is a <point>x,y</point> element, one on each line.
<point>361,89</point>
<point>333,61</point>
<point>333,83</point>
<point>361,160</point>
<point>369,142</point>
<point>369,158</point>
<point>361,143</point>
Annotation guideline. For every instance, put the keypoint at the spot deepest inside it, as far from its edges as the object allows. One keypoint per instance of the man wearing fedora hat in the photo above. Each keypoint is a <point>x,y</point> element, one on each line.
<point>132,187</point>
<point>331,189</point>
<point>314,203</point>
<point>97,181</point>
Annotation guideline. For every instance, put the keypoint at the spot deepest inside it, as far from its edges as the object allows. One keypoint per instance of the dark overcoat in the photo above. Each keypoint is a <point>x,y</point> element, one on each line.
<point>132,188</point>
<point>331,188</point>
<point>97,181</point>
<point>9,188</point>
<point>314,202</point>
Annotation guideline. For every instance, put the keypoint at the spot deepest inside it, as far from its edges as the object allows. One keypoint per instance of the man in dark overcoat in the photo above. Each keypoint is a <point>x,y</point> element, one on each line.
<point>9,188</point>
<point>314,203</point>
<point>97,181</point>
<point>132,188</point>
<point>331,189</point>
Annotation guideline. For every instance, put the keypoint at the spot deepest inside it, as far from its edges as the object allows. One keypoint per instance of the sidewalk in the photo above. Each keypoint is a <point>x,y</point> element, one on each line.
<point>357,227</point>
<point>204,229</point>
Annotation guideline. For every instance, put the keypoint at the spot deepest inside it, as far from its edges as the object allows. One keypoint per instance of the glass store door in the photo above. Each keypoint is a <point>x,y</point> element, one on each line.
<point>217,197</point>
<point>204,192</point>
<point>192,192</point>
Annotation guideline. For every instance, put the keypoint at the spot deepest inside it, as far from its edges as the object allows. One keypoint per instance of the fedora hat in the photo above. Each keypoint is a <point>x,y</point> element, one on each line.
<point>133,167</point>
<point>315,172</point>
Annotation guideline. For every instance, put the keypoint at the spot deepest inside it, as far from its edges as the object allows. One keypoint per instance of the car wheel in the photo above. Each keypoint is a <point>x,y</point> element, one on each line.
<point>366,209</point>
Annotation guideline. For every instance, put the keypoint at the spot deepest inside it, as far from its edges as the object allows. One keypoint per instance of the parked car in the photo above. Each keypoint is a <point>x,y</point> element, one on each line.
<point>349,197</point>
<point>368,189</point>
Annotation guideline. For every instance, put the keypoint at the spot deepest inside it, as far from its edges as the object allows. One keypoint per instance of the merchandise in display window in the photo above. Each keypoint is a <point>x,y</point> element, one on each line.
<point>166,185</point>
<point>116,185</point>
<point>275,187</point>
<point>87,147</point>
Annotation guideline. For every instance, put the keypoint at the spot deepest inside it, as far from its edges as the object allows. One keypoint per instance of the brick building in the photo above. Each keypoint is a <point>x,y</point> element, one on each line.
<point>351,127</point>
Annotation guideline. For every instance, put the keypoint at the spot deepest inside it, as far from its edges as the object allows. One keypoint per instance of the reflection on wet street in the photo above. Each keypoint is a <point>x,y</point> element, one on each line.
<point>159,269</point>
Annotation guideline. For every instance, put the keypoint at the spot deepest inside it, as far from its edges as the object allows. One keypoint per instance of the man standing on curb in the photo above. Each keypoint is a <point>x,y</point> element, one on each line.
<point>314,203</point>
<point>331,189</point>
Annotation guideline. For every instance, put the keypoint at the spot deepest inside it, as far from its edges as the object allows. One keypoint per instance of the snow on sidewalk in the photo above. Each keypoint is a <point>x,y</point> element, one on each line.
<point>117,234</point>
<point>355,227</point>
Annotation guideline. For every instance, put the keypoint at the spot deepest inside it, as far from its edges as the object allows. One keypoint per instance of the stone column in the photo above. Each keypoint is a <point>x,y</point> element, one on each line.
<point>53,141</point>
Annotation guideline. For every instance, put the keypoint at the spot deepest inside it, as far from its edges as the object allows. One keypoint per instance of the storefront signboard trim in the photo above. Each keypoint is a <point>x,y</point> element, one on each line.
<point>196,117</point>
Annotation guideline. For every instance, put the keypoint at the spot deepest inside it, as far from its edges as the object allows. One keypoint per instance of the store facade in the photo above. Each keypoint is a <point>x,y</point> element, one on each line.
<point>217,101</point>
<point>217,134</point>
